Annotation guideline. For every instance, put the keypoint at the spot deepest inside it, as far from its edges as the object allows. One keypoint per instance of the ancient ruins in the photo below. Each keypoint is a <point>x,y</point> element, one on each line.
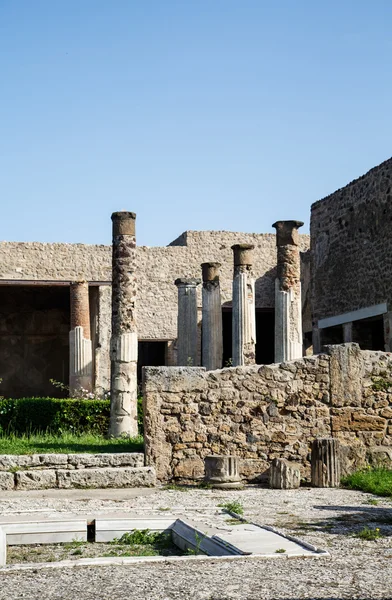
<point>238,335</point>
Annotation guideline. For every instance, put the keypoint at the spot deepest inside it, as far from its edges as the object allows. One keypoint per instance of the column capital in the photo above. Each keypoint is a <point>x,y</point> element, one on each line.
<point>287,232</point>
<point>243,255</point>
<point>124,223</point>
<point>210,271</point>
<point>184,282</point>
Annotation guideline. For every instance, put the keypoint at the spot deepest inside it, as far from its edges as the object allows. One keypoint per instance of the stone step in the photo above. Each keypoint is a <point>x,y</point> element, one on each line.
<point>105,477</point>
<point>14,462</point>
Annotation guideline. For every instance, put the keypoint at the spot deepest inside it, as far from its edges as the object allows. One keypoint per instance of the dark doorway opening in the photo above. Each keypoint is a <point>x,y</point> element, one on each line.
<point>369,333</point>
<point>150,354</point>
<point>332,335</point>
<point>34,344</point>
<point>265,336</point>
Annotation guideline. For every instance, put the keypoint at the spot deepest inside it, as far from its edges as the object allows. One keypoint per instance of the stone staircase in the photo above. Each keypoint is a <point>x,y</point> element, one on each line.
<point>66,471</point>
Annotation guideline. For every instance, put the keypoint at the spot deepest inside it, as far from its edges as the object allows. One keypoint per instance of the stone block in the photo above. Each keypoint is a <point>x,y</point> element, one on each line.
<point>6,481</point>
<point>284,475</point>
<point>39,479</point>
<point>52,460</point>
<point>3,547</point>
<point>122,459</point>
<point>107,477</point>
<point>11,461</point>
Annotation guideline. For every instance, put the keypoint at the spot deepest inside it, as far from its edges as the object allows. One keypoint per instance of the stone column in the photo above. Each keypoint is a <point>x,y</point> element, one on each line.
<point>212,335</point>
<point>123,347</point>
<point>187,322</point>
<point>244,315</point>
<point>347,332</point>
<point>288,305</point>
<point>80,346</point>
<point>387,318</point>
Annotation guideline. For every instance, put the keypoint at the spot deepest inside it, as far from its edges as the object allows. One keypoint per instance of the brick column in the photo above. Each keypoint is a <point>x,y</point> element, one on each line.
<point>187,322</point>
<point>244,316</point>
<point>123,347</point>
<point>212,336</point>
<point>80,347</point>
<point>288,307</point>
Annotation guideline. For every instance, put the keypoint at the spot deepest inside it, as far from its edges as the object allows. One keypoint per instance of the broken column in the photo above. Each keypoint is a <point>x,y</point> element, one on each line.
<point>187,322</point>
<point>288,306</point>
<point>80,346</point>
<point>212,336</point>
<point>325,464</point>
<point>123,347</point>
<point>244,316</point>
<point>222,472</point>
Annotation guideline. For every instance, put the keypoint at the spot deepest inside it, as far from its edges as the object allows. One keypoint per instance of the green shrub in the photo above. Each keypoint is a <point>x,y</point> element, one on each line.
<point>377,480</point>
<point>55,415</point>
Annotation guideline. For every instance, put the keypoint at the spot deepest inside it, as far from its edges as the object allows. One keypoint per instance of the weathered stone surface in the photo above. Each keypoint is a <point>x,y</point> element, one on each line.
<point>35,480</point>
<point>222,472</point>
<point>107,478</point>
<point>284,475</point>
<point>6,481</point>
<point>122,459</point>
<point>261,413</point>
<point>12,461</point>
<point>325,462</point>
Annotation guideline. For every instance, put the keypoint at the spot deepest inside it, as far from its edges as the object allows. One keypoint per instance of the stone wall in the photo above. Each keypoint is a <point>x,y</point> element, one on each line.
<point>351,245</point>
<point>260,413</point>
<point>157,270</point>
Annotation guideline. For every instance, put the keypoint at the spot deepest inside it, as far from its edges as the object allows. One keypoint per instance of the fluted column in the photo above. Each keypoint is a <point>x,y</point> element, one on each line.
<point>187,322</point>
<point>288,307</point>
<point>244,317</point>
<point>123,348</point>
<point>80,347</point>
<point>212,337</point>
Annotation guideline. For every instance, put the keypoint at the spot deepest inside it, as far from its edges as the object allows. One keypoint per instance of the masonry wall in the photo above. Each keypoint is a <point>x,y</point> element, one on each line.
<point>260,413</point>
<point>351,245</point>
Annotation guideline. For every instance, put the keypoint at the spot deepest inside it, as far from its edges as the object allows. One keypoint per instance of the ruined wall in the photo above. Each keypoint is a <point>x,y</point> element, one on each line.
<point>259,413</point>
<point>351,245</point>
<point>157,270</point>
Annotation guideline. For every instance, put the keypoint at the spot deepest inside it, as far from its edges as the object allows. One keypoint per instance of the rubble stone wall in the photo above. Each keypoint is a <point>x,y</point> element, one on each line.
<point>275,411</point>
<point>351,245</point>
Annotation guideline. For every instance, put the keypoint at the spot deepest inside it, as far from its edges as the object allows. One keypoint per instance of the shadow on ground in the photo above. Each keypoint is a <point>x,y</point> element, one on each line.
<point>351,520</point>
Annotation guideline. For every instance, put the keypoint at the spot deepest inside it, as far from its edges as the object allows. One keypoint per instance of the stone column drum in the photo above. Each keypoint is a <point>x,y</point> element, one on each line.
<point>187,322</point>
<point>244,315</point>
<point>212,335</point>
<point>288,305</point>
<point>222,472</point>
<point>123,347</point>
<point>80,346</point>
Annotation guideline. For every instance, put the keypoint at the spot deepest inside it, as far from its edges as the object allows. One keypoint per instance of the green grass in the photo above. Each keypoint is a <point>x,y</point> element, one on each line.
<point>67,443</point>
<point>376,481</point>
<point>233,507</point>
<point>369,534</point>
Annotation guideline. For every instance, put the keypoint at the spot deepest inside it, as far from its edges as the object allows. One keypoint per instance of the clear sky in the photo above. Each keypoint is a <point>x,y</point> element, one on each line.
<point>195,114</point>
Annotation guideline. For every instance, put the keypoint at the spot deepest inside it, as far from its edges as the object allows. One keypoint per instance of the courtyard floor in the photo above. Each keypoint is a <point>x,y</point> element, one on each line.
<point>328,518</point>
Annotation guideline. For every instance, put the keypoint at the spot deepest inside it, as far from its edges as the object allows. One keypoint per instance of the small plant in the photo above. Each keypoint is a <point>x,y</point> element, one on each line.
<point>144,537</point>
<point>229,362</point>
<point>381,385</point>
<point>198,539</point>
<point>369,534</point>
<point>233,507</point>
<point>189,361</point>
<point>372,501</point>
<point>280,551</point>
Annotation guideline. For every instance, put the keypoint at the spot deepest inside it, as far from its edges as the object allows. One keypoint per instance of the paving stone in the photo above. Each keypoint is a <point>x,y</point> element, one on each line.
<point>107,477</point>
<point>38,479</point>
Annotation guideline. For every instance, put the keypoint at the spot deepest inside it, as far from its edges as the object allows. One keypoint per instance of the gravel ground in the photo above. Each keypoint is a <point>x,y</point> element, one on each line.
<point>328,518</point>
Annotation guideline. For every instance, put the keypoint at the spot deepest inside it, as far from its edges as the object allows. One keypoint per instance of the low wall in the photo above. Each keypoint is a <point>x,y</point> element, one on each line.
<point>259,413</point>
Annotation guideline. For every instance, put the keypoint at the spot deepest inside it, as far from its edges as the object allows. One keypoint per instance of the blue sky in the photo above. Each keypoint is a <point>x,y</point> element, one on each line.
<point>195,114</point>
